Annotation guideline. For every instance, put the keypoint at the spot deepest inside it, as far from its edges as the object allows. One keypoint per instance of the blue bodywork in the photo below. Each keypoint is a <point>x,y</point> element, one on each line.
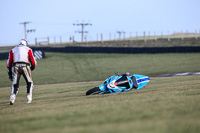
<point>110,84</point>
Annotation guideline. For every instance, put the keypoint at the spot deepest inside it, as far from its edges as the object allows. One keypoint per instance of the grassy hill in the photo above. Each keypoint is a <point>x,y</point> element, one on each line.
<point>65,67</point>
<point>177,39</point>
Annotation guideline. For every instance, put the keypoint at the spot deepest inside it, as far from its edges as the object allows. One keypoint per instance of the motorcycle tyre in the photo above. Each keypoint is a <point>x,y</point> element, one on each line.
<point>93,91</point>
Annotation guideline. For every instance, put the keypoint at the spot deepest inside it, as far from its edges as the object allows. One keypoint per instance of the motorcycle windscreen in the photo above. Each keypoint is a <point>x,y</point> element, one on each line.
<point>123,82</point>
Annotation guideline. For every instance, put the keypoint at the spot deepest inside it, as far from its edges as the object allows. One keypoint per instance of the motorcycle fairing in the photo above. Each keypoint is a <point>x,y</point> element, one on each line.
<point>116,83</point>
<point>124,83</point>
<point>141,80</point>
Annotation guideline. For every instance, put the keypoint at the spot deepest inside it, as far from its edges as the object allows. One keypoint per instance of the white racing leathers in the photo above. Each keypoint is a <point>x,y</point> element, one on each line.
<point>21,61</point>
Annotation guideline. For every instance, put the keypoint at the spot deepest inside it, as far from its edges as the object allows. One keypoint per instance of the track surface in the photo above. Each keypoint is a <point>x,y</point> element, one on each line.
<point>178,74</point>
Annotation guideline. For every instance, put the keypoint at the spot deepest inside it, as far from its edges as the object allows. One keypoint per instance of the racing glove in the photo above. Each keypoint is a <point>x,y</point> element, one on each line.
<point>10,77</point>
<point>32,68</point>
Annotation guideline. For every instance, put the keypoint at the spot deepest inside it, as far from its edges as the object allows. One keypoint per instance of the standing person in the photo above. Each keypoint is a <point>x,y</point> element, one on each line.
<point>21,62</point>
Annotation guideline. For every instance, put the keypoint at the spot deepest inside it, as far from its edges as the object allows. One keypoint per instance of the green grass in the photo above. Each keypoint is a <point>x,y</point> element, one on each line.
<point>165,105</point>
<point>5,49</point>
<point>63,67</point>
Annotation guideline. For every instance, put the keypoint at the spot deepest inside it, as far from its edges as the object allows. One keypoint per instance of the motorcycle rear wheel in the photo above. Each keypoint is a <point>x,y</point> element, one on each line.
<point>93,91</point>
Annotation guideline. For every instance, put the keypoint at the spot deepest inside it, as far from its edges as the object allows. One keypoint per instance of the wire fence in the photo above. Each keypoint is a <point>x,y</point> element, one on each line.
<point>120,35</point>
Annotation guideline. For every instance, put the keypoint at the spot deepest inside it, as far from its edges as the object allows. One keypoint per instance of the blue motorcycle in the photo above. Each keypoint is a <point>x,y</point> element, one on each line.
<point>120,83</point>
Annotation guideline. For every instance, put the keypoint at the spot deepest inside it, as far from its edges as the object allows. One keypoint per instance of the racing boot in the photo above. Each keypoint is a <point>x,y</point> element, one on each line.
<point>29,98</point>
<point>12,99</point>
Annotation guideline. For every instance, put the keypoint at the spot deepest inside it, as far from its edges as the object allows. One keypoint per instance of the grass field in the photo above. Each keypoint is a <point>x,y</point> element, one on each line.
<point>165,105</point>
<point>63,67</point>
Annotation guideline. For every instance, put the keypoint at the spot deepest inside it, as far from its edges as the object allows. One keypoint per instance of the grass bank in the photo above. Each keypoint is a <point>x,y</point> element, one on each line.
<point>63,67</point>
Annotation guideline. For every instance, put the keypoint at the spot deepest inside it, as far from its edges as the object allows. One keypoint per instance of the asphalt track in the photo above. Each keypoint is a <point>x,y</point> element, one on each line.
<point>177,74</point>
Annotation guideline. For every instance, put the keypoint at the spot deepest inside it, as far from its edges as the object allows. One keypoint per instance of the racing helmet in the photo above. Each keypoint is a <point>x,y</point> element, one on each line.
<point>24,42</point>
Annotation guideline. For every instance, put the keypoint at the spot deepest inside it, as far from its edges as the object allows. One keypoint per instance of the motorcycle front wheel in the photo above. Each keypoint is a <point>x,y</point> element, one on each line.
<point>93,91</point>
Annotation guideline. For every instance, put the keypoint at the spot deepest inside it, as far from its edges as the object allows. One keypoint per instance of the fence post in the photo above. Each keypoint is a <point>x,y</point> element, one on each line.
<point>196,34</point>
<point>36,41</point>
<point>149,35</point>
<point>136,35</point>
<point>48,40</point>
<point>60,39</point>
<point>155,36</point>
<point>119,35</point>
<point>168,37</point>
<point>70,39</point>
<point>186,33</point>
<point>54,39</point>
<point>144,37</point>
<point>199,33</point>
<point>73,40</point>
<point>182,35</point>
<point>85,38</point>
<point>101,38</point>
<point>174,35</point>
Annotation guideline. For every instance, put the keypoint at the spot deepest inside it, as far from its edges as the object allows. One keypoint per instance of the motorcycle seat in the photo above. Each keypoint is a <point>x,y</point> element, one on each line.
<point>135,85</point>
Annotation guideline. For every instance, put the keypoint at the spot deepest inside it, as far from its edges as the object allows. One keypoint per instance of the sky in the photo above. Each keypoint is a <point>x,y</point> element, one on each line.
<point>55,18</point>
